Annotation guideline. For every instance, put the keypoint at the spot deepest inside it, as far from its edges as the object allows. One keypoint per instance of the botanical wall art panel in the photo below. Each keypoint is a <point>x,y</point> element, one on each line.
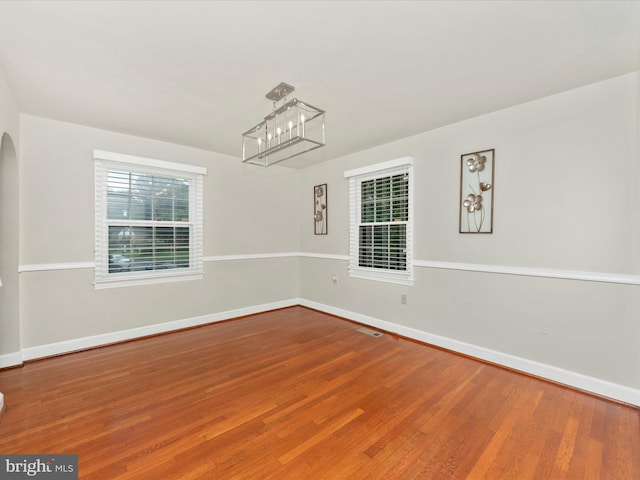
<point>320,209</point>
<point>476,191</point>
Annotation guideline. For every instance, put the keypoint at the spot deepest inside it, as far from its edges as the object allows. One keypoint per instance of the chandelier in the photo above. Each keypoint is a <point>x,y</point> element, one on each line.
<point>290,130</point>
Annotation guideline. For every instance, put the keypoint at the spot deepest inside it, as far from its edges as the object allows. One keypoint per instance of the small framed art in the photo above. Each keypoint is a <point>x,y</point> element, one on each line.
<point>320,209</point>
<point>476,191</point>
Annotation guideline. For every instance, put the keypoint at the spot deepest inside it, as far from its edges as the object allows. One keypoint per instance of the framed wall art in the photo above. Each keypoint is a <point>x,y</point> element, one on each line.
<point>476,191</point>
<point>320,209</point>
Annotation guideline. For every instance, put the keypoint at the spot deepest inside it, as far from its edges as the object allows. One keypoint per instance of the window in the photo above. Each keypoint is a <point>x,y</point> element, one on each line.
<point>381,221</point>
<point>148,220</point>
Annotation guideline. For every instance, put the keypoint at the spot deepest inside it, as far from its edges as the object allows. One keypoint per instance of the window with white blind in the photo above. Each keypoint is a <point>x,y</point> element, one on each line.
<point>149,216</point>
<point>381,221</point>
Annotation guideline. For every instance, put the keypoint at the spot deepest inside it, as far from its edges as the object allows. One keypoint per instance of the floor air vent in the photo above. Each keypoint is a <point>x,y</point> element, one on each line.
<point>368,331</point>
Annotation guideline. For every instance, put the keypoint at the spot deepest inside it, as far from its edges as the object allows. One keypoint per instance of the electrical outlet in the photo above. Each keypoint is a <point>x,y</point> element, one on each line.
<point>403,299</point>
<point>334,279</point>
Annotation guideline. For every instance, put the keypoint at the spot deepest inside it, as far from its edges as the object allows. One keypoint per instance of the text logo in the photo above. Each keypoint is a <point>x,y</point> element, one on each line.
<point>49,467</point>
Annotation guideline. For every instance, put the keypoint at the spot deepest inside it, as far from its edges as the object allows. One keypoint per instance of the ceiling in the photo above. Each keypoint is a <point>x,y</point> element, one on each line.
<point>196,72</point>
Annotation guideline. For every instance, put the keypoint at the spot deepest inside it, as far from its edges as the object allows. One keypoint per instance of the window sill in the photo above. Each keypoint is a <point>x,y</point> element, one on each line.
<point>146,280</point>
<point>398,279</point>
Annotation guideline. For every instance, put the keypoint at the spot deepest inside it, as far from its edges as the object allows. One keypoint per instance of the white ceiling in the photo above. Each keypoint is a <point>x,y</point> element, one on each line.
<point>195,73</point>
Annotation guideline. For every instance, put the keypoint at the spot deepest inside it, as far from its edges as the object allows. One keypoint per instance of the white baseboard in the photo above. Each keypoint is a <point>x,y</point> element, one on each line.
<point>68,346</point>
<point>565,377</point>
<point>10,359</point>
<point>559,375</point>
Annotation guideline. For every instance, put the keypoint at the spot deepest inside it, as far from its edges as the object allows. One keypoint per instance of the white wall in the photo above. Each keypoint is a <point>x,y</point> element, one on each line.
<point>9,121</point>
<point>247,210</point>
<point>9,291</point>
<point>566,199</point>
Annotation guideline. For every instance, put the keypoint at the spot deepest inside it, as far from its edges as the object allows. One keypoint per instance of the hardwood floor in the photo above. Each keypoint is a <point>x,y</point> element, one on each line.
<point>297,394</point>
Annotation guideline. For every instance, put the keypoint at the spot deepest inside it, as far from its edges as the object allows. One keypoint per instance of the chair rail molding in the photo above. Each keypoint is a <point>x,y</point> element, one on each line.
<point>620,278</point>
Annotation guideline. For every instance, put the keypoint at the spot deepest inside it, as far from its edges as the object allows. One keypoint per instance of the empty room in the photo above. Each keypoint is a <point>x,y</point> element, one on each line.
<point>304,240</point>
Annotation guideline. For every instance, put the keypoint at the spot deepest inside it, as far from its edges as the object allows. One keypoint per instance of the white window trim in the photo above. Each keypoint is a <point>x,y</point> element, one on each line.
<point>103,161</point>
<point>356,177</point>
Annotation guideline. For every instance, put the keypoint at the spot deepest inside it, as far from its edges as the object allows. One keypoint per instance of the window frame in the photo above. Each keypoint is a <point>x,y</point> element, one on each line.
<point>356,178</point>
<point>106,161</point>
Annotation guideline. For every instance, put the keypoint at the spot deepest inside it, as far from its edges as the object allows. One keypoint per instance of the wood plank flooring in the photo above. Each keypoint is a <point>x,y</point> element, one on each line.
<point>298,394</point>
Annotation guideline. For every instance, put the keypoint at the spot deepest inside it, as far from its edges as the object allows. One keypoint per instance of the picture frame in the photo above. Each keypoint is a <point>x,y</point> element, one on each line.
<point>476,191</point>
<point>320,210</point>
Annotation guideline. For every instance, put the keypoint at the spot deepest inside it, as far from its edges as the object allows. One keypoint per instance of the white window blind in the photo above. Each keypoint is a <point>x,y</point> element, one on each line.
<point>149,216</point>
<point>381,221</point>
